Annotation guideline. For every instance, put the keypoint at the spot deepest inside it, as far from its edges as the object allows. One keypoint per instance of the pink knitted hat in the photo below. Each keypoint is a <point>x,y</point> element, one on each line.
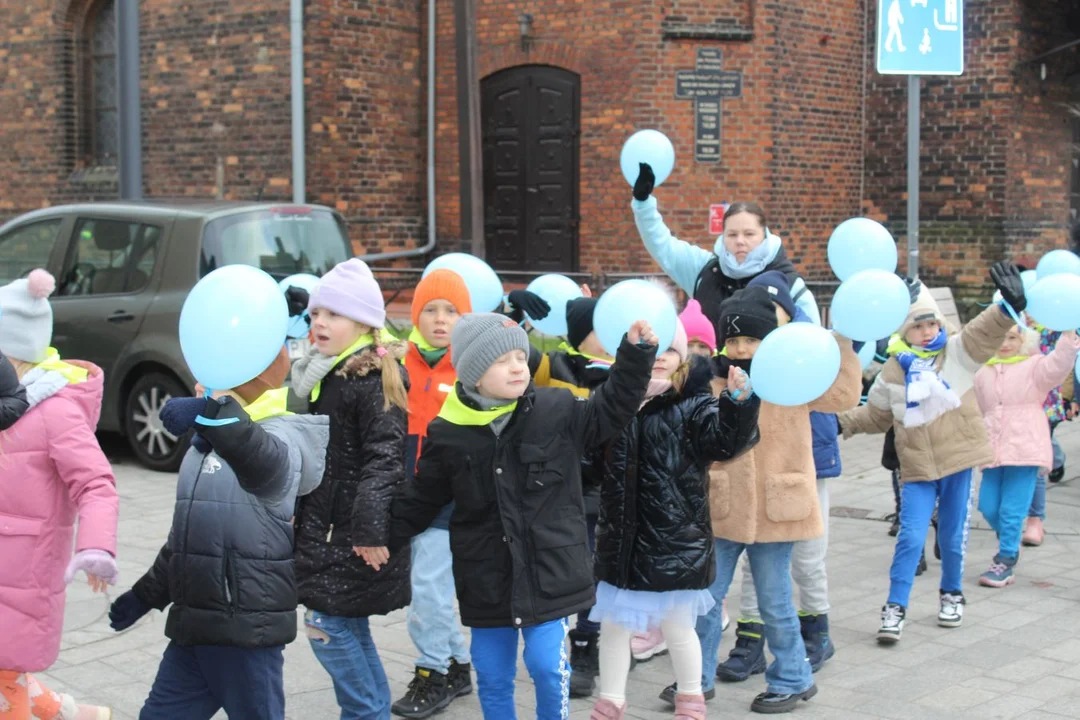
<point>697,325</point>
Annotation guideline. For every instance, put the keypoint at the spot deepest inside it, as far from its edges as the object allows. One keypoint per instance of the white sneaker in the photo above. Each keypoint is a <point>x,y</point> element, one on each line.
<point>952,610</point>
<point>892,623</point>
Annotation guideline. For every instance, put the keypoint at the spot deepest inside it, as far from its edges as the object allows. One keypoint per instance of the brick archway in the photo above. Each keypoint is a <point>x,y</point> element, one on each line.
<point>492,59</point>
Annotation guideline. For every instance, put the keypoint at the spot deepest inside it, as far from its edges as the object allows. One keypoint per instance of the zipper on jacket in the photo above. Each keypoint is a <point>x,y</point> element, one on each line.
<point>229,594</point>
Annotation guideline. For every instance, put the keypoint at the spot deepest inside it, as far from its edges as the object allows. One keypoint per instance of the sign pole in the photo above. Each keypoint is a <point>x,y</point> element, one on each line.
<point>914,83</point>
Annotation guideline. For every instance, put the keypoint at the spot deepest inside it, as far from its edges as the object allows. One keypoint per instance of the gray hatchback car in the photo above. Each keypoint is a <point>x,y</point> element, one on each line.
<point>122,272</point>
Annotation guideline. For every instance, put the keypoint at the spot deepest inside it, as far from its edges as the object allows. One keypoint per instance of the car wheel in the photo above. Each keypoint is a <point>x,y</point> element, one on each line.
<point>153,445</point>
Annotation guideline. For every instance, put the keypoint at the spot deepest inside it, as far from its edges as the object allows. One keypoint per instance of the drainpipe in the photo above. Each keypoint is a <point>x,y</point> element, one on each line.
<point>296,37</point>
<point>430,246</point>
<point>129,115</point>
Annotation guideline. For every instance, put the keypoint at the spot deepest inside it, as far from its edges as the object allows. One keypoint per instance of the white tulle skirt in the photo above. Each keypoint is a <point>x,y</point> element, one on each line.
<point>643,610</point>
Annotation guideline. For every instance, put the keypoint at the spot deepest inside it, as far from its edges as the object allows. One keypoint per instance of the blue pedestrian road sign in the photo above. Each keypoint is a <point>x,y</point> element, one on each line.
<point>920,37</point>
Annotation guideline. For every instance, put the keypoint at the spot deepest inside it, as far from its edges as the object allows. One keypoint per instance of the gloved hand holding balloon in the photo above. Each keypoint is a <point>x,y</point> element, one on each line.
<point>556,291</point>
<point>624,304</point>
<point>652,148</point>
<point>297,289</point>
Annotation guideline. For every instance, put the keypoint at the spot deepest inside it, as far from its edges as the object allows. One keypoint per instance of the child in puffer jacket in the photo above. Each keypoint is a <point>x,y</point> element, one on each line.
<point>922,392</point>
<point>1010,390</point>
<point>52,471</point>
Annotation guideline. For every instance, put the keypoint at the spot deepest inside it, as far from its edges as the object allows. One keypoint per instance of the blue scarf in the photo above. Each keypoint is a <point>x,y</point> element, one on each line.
<point>928,395</point>
<point>756,260</point>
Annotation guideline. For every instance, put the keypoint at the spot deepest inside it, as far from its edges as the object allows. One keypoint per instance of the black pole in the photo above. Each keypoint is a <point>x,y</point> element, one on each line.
<point>130,121</point>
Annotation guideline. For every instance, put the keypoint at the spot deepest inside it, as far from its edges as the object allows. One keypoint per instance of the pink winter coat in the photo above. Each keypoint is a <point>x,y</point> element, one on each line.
<point>1011,399</point>
<point>51,470</point>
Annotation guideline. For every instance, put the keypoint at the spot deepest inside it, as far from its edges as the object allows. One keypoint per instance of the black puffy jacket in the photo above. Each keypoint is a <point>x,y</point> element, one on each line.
<point>365,464</point>
<point>655,532</point>
<point>518,537</point>
<point>12,395</point>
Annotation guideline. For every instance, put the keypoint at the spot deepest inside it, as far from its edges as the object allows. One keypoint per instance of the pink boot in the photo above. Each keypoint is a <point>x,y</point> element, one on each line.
<point>644,646</point>
<point>93,712</point>
<point>689,707</point>
<point>604,709</point>
<point>1033,532</point>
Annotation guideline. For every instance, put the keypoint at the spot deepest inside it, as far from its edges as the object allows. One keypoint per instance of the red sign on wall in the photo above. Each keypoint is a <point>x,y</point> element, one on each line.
<point>716,218</point>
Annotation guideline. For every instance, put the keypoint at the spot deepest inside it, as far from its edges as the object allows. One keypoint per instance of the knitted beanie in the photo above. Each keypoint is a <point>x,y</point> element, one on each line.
<point>351,290</point>
<point>579,320</point>
<point>26,318</point>
<point>924,308</point>
<point>747,313</point>
<point>779,288</point>
<point>478,340</point>
<point>441,284</point>
<point>697,326</point>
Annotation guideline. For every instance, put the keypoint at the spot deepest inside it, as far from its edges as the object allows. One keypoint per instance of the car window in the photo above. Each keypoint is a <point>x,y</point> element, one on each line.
<point>100,258</point>
<point>282,241</point>
<point>26,248</point>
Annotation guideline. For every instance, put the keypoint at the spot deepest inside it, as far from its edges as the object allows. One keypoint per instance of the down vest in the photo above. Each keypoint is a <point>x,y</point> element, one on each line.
<point>227,567</point>
<point>954,441</point>
<point>654,531</point>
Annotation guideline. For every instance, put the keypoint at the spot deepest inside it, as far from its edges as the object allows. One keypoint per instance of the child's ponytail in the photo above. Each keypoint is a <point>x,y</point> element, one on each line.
<point>394,392</point>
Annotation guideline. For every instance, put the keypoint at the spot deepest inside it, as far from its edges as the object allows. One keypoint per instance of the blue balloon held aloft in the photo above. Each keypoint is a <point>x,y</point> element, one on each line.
<point>870,305</point>
<point>232,326</point>
<point>556,290</point>
<point>625,303</point>
<point>1054,302</point>
<point>795,364</point>
<point>299,324</point>
<point>861,244</point>
<point>647,146</point>
<point>485,288</point>
<point>867,353</point>
<point>1056,262</point>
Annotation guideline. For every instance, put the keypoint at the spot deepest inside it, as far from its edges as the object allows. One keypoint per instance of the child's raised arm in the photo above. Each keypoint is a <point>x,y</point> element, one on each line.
<point>723,429</point>
<point>874,417</point>
<point>1053,369</point>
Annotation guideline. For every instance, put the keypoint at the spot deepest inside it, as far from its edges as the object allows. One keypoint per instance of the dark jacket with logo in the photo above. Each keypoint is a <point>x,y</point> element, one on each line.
<point>365,464</point>
<point>655,532</point>
<point>518,537</point>
<point>227,567</point>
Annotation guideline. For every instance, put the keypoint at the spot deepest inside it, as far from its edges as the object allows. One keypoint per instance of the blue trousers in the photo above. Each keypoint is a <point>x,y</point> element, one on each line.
<point>584,624</point>
<point>193,683</point>
<point>494,652</point>
<point>1038,498</point>
<point>431,620</point>
<point>1004,497</point>
<point>953,497</point>
<point>346,650</point>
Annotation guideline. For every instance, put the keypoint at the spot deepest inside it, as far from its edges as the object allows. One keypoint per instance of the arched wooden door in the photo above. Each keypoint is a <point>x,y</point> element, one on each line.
<point>531,119</point>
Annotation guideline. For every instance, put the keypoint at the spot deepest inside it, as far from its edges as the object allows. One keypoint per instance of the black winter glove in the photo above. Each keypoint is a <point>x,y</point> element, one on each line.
<point>913,287</point>
<point>523,301</point>
<point>297,298</point>
<point>1007,279</point>
<point>645,182</point>
<point>126,611</point>
<point>178,414</point>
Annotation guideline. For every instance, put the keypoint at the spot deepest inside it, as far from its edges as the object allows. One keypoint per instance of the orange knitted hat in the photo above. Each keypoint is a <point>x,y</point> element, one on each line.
<point>441,284</point>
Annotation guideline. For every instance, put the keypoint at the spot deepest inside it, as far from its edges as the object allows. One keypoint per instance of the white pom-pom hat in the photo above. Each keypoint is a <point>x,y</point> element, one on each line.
<point>26,318</point>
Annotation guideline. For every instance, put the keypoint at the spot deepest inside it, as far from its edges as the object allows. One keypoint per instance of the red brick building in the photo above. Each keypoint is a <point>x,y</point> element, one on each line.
<point>815,134</point>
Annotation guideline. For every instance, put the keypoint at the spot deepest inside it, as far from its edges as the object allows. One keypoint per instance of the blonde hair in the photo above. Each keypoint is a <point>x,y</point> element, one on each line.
<point>678,378</point>
<point>1029,340</point>
<point>393,386</point>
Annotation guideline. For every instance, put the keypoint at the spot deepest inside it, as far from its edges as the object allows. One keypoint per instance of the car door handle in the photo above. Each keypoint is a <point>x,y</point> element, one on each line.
<point>120,316</point>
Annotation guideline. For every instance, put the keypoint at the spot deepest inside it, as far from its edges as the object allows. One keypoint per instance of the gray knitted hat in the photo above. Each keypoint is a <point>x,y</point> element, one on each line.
<point>26,318</point>
<point>478,340</point>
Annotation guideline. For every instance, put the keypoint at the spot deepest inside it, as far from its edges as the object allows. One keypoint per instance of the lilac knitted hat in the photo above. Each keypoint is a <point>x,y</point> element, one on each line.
<point>351,290</point>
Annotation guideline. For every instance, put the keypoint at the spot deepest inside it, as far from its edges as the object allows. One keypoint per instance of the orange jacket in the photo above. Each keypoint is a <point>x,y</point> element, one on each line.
<point>428,388</point>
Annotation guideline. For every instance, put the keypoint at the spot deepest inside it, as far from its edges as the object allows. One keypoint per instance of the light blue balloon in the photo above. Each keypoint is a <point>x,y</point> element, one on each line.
<point>625,303</point>
<point>1056,262</point>
<point>485,288</point>
<point>557,290</point>
<point>1054,302</point>
<point>795,364</point>
<point>867,353</point>
<point>232,326</point>
<point>861,244</point>
<point>299,324</point>
<point>870,305</point>
<point>647,146</point>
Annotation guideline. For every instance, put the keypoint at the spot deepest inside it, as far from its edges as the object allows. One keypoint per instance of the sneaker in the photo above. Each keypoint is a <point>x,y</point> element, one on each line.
<point>1000,573</point>
<point>93,712</point>
<point>1056,474</point>
<point>1033,532</point>
<point>669,694</point>
<point>645,646</point>
<point>427,694</point>
<point>892,623</point>
<point>459,679</point>
<point>894,524</point>
<point>815,634</point>
<point>770,703</point>
<point>604,709</point>
<point>952,609</point>
<point>584,663</point>
<point>690,707</point>
<point>748,656</point>
<point>922,565</point>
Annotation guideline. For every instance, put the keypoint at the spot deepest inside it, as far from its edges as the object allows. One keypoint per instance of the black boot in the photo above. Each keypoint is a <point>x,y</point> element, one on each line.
<point>769,703</point>
<point>459,679</point>
<point>747,657</point>
<point>937,548</point>
<point>584,663</point>
<point>428,694</point>
<point>922,565</point>
<point>815,634</point>
<point>1056,474</point>
<point>894,527</point>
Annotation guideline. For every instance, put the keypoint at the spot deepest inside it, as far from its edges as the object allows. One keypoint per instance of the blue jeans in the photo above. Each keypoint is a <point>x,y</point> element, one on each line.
<point>345,648</point>
<point>1038,499</point>
<point>953,497</point>
<point>494,653</point>
<point>193,683</point>
<point>1004,496</point>
<point>789,673</point>
<point>430,618</point>
<point>584,624</point>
